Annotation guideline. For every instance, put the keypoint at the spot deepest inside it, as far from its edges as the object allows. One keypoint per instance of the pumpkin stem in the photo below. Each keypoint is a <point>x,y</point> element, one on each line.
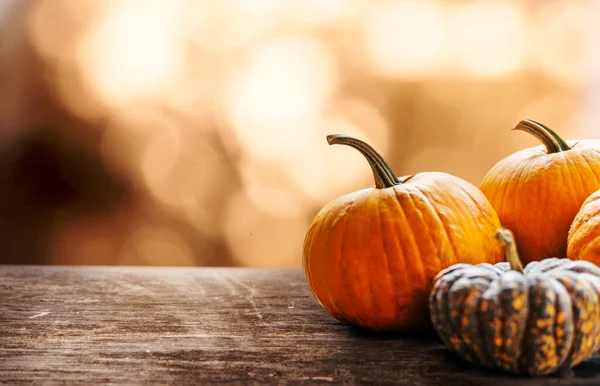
<point>382,172</point>
<point>507,239</point>
<point>553,142</point>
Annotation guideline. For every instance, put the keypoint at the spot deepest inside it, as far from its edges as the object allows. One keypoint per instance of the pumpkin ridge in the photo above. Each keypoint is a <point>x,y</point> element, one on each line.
<point>399,245</point>
<point>542,355</point>
<point>490,316</point>
<point>582,266</point>
<point>425,200</point>
<point>500,205</point>
<point>458,294</point>
<point>575,353</point>
<point>560,302</point>
<point>460,205</point>
<point>563,304</point>
<point>572,168</point>
<point>418,212</point>
<point>387,259</point>
<point>343,266</point>
<point>584,229</point>
<point>369,303</point>
<point>542,193</point>
<point>589,165</point>
<point>433,308</point>
<point>473,329</point>
<point>592,317</point>
<point>517,186</point>
<point>444,311</point>
<point>343,262</point>
<point>506,177</point>
<point>595,284</point>
<point>308,245</point>
<point>546,265</point>
<point>446,233</point>
<point>524,359</point>
<point>571,183</point>
<point>513,289</point>
<point>443,230</point>
<point>588,245</point>
<point>486,357</point>
<point>482,209</point>
<point>327,219</point>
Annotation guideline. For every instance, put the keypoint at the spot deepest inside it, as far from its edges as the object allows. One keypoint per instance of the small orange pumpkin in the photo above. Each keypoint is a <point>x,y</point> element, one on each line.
<point>584,235</point>
<point>538,191</point>
<point>370,256</point>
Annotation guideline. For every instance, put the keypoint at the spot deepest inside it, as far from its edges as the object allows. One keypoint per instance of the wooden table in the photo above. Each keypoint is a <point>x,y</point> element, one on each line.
<point>200,326</point>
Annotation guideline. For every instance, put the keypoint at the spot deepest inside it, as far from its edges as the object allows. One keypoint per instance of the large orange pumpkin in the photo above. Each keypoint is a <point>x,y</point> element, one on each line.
<point>584,235</point>
<point>370,256</point>
<point>538,191</point>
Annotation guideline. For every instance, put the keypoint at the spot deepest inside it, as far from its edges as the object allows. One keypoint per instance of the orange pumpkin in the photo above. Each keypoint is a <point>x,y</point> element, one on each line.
<point>584,235</point>
<point>538,191</point>
<point>370,256</point>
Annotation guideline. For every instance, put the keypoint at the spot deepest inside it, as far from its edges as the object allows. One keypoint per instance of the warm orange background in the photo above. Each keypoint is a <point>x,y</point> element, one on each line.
<point>188,132</point>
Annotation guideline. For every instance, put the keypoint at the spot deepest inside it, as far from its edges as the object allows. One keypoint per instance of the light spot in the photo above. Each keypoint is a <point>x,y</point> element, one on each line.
<point>275,108</point>
<point>404,39</point>
<point>488,38</point>
<point>133,51</point>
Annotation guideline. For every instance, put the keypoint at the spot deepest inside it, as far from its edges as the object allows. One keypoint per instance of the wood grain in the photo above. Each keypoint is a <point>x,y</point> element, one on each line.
<point>73,325</point>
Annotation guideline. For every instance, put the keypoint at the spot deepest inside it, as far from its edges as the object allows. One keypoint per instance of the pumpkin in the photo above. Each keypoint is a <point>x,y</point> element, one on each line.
<point>584,235</point>
<point>538,191</point>
<point>538,320</point>
<point>369,256</point>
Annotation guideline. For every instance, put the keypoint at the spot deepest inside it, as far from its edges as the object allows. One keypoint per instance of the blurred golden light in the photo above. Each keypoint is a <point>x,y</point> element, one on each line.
<point>260,239</point>
<point>317,13</point>
<point>488,38</point>
<point>271,190</point>
<point>126,135</point>
<point>197,189</point>
<point>160,157</point>
<point>151,245</point>
<point>324,172</point>
<point>220,26</point>
<point>405,38</point>
<point>56,26</point>
<point>179,166</point>
<point>280,97</point>
<point>133,51</point>
<point>585,121</point>
<point>76,94</point>
<point>566,48</point>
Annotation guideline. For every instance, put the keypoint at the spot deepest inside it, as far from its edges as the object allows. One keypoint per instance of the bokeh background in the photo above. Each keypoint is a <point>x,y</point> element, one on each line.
<point>189,132</point>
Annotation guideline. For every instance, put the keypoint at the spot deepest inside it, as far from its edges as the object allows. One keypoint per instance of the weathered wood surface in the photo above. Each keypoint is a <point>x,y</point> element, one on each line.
<point>201,326</point>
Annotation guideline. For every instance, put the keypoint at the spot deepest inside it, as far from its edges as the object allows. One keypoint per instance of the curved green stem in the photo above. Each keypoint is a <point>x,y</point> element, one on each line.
<point>382,172</point>
<point>553,142</point>
<point>507,239</point>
